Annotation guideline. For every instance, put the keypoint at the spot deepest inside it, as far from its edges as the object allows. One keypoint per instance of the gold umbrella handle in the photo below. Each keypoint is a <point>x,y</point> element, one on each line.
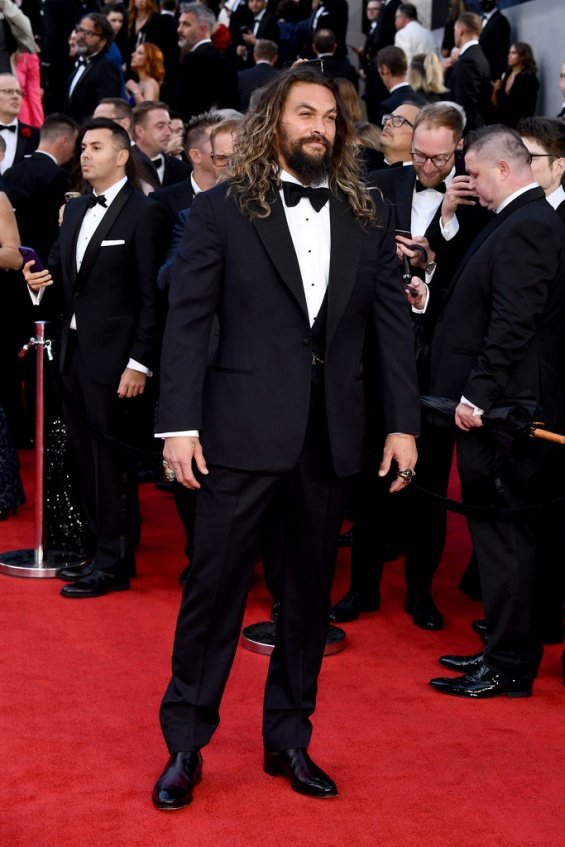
<point>547,435</point>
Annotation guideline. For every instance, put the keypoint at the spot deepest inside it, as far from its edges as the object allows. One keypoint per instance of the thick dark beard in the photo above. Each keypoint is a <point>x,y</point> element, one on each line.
<point>310,169</point>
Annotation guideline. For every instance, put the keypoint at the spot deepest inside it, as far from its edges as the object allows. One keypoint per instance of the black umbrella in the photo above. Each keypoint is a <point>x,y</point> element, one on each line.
<point>514,418</point>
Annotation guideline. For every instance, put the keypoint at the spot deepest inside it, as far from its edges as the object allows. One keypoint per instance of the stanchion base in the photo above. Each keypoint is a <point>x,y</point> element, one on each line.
<point>260,638</point>
<point>22,563</point>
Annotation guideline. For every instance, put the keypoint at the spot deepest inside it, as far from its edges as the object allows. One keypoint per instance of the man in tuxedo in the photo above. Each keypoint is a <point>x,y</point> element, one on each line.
<point>197,147</point>
<point>21,139</point>
<point>249,80</point>
<point>545,141</point>
<point>470,78</point>
<point>294,272</point>
<point>432,206</point>
<point>151,134</point>
<point>263,26</point>
<point>324,44</point>
<point>206,80</point>
<point>95,75</point>
<point>494,38</point>
<point>104,267</point>
<point>36,186</point>
<point>393,70</point>
<point>500,341</point>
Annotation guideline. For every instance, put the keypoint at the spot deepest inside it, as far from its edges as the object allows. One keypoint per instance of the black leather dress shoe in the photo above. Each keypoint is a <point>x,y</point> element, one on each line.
<point>305,776</point>
<point>175,787</point>
<point>351,605</point>
<point>463,664</point>
<point>424,611</point>
<point>95,584</point>
<point>483,683</point>
<point>76,572</point>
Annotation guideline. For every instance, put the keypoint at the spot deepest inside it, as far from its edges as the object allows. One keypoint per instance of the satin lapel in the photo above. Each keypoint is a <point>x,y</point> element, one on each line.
<point>346,235</point>
<point>87,70</point>
<point>74,213</point>
<point>102,230</point>
<point>275,236</point>
<point>493,224</point>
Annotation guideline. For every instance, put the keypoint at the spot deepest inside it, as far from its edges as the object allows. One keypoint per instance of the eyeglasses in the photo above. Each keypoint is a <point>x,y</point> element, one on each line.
<point>439,161</point>
<point>541,156</point>
<point>220,159</point>
<point>396,121</point>
<point>90,32</point>
<point>12,92</point>
<point>561,76</point>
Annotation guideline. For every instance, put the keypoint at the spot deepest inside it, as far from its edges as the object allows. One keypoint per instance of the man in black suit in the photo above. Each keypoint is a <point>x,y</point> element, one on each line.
<point>151,134</point>
<point>431,201</point>
<point>206,79</point>
<point>104,267</point>
<point>251,79</point>
<point>393,70</point>
<point>495,38</point>
<point>501,340</point>
<point>324,44</point>
<point>263,25</point>
<point>280,410</point>
<point>58,19</point>
<point>95,75</point>
<point>470,78</point>
<point>21,139</point>
<point>36,186</point>
<point>197,147</point>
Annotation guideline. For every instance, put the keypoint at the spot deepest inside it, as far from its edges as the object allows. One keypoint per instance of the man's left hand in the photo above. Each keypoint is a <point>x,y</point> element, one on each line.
<point>402,449</point>
<point>465,419</point>
<point>132,383</point>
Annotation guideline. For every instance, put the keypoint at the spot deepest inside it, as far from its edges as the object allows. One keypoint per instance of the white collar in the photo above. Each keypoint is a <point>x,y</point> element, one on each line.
<point>112,192</point>
<point>467,45</point>
<point>556,197</point>
<point>514,195</point>
<point>200,43</point>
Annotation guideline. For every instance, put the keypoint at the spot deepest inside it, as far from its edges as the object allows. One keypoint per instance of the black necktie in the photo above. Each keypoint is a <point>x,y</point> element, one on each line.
<point>293,194</point>
<point>420,187</point>
<point>11,128</point>
<point>93,199</point>
<point>157,162</point>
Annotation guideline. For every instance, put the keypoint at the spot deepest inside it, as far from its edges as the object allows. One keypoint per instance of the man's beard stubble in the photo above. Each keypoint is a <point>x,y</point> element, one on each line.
<point>312,169</point>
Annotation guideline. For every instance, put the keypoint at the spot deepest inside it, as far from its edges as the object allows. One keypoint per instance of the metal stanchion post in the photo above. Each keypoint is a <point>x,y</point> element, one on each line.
<point>38,562</point>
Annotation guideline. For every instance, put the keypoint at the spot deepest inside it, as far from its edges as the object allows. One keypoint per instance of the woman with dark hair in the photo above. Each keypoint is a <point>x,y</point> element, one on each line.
<point>147,63</point>
<point>515,95</point>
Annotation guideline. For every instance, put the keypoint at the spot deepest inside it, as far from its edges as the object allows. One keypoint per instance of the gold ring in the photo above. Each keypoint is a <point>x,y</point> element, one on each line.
<point>407,475</point>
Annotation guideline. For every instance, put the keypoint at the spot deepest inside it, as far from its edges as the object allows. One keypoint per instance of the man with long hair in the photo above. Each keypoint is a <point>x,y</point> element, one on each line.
<point>295,258</point>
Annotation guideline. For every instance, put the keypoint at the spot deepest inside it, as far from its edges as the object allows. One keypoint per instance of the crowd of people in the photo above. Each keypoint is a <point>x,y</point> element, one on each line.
<point>280,250</point>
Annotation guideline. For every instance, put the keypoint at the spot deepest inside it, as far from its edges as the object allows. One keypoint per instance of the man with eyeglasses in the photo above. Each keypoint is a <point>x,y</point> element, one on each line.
<point>433,203</point>
<point>95,76</point>
<point>545,141</point>
<point>396,135</point>
<point>21,139</point>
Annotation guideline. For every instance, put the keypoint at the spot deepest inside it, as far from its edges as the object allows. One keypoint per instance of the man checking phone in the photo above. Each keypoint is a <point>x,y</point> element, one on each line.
<point>104,267</point>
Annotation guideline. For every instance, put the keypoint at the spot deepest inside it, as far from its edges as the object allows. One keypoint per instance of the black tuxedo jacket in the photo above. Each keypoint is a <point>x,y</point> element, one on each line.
<point>206,80</point>
<point>251,79</point>
<point>175,169</point>
<point>501,332</point>
<point>100,79</point>
<point>333,68</point>
<point>114,295</point>
<point>27,141</point>
<point>36,188</point>
<point>251,404</point>
<point>495,42</point>
<point>402,95</point>
<point>175,198</point>
<point>470,86</point>
<point>561,211</point>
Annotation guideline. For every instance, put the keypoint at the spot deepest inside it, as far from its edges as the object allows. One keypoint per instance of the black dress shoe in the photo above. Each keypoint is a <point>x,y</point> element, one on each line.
<point>424,611</point>
<point>175,786</point>
<point>351,605</point>
<point>76,572</point>
<point>480,627</point>
<point>463,664</point>
<point>305,776</point>
<point>95,584</point>
<point>483,683</point>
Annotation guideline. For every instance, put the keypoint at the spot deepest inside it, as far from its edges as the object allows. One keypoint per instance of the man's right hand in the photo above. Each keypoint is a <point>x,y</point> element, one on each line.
<point>37,280</point>
<point>180,451</point>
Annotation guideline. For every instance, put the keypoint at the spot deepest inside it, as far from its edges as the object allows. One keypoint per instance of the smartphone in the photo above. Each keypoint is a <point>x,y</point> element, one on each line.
<point>28,254</point>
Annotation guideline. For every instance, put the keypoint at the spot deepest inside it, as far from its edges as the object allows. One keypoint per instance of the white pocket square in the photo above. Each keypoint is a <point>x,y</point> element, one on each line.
<point>112,243</point>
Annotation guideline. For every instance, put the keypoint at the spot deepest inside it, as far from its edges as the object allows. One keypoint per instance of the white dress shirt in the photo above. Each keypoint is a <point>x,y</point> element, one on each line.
<point>557,197</point>
<point>11,139</point>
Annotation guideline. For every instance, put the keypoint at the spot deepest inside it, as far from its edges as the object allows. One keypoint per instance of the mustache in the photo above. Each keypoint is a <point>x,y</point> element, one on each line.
<point>318,138</point>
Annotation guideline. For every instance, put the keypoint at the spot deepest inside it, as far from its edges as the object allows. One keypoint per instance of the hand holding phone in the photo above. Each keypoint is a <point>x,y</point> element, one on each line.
<point>29,255</point>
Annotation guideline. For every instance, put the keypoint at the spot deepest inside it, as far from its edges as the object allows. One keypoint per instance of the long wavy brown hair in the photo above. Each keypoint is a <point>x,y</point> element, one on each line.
<point>255,166</point>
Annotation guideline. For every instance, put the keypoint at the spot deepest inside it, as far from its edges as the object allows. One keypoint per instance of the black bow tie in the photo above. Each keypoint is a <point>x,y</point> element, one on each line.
<point>11,128</point>
<point>293,194</point>
<point>93,199</point>
<point>157,162</point>
<point>420,187</point>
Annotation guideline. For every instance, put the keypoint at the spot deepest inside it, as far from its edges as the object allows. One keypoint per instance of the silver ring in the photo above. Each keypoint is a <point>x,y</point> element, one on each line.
<point>170,475</point>
<point>407,475</point>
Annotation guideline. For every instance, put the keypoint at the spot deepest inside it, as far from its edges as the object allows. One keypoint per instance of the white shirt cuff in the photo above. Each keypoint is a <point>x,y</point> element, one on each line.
<point>136,366</point>
<point>476,410</point>
<point>194,433</point>
<point>450,229</point>
<point>35,295</point>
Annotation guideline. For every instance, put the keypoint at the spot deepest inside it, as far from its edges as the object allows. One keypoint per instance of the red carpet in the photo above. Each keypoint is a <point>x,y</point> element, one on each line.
<point>81,745</point>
